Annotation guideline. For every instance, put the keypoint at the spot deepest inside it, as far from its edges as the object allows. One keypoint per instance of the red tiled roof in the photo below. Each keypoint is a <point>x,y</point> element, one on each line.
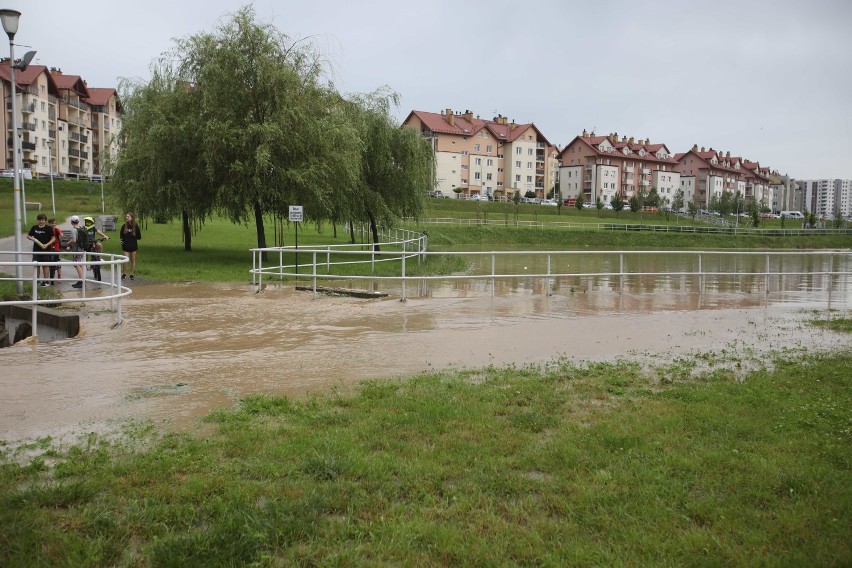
<point>28,76</point>
<point>100,96</point>
<point>437,122</point>
<point>594,141</point>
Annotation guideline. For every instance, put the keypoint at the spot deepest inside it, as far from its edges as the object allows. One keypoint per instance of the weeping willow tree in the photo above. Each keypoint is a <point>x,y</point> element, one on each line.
<point>241,122</point>
<point>396,165</point>
<point>160,171</point>
<point>272,132</point>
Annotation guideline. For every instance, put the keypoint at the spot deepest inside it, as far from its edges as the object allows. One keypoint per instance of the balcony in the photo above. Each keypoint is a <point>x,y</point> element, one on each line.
<point>28,146</point>
<point>75,103</point>
<point>539,171</point>
<point>52,133</point>
<point>74,153</point>
<point>51,115</point>
<point>84,155</point>
<point>84,139</point>
<point>629,169</point>
<point>74,169</point>
<point>31,126</point>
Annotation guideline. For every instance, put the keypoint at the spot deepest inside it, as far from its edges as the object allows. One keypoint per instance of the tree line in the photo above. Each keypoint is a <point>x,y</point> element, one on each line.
<point>241,122</point>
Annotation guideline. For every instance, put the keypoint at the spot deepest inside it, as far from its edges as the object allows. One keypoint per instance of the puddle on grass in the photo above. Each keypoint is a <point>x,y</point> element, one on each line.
<point>184,350</point>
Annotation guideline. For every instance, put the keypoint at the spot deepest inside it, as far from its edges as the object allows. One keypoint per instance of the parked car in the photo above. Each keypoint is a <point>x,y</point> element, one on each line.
<point>437,193</point>
<point>550,202</point>
<point>478,197</point>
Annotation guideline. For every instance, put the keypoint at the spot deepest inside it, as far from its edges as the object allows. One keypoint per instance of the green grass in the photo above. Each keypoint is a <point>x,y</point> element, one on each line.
<point>838,324</point>
<point>578,465</point>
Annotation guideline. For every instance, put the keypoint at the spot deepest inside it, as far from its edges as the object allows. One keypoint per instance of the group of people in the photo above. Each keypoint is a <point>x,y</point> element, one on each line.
<point>47,238</point>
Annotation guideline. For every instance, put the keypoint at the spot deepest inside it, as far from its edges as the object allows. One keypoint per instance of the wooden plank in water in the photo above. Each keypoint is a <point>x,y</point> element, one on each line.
<point>343,292</point>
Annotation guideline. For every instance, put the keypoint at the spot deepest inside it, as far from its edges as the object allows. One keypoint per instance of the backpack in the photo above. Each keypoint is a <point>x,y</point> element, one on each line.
<point>82,239</point>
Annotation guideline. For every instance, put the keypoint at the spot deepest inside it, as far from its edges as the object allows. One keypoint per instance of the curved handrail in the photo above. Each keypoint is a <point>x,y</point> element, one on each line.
<point>112,262</point>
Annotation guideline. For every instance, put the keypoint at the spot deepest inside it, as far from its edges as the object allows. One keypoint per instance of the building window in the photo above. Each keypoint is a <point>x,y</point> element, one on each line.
<point>489,148</point>
<point>475,175</point>
<point>43,106</point>
<point>518,151</point>
<point>44,161</point>
<point>488,176</point>
<point>476,147</point>
<point>478,161</point>
<point>529,179</point>
<point>529,152</point>
<point>529,165</point>
<point>517,178</point>
<point>490,162</point>
<point>63,161</point>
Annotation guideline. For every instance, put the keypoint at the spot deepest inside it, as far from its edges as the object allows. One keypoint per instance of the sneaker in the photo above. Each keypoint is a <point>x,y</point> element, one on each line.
<point>77,285</point>
<point>44,284</point>
<point>132,277</point>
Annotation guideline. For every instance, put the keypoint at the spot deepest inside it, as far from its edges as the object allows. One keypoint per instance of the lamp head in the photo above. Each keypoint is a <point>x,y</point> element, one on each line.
<point>10,22</point>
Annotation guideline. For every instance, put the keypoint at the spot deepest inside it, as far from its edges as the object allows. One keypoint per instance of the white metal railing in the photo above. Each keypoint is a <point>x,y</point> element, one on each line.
<point>408,244</point>
<point>110,265</point>
<point>700,267</point>
<point>506,219</point>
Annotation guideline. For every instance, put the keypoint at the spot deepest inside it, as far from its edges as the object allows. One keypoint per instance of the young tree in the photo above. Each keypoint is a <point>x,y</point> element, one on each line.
<point>617,202</point>
<point>578,201</point>
<point>599,204</point>
<point>635,204</point>
<point>692,209</point>
<point>677,202</point>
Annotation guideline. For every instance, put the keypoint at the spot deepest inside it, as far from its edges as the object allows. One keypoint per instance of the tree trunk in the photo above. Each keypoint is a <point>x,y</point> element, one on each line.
<point>187,233</point>
<point>352,231</point>
<point>375,230</point>
<point>261,234</point>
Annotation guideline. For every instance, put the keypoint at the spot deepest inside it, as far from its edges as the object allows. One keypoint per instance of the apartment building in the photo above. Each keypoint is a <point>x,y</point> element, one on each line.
<point>63,124</point>
<point>601,166</point>
<point>494,158</point>
<point>825,197</point>
<point>786,193</point>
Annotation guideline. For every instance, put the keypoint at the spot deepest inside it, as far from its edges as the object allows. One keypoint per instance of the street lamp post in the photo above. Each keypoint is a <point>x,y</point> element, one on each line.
<point>9,19</point>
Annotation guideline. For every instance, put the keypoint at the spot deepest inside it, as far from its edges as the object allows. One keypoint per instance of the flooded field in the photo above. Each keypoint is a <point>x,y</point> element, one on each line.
<point>185,349</point>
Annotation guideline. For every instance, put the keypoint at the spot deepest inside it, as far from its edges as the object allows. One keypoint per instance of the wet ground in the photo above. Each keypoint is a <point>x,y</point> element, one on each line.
<point>185,349</point>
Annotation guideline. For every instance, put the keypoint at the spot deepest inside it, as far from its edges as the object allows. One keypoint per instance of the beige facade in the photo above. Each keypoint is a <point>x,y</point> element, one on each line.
<point>493,158</point>
<point>61,129</point>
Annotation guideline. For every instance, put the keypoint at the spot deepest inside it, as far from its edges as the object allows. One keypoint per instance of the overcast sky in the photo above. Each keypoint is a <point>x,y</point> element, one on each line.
<point>770,81</point>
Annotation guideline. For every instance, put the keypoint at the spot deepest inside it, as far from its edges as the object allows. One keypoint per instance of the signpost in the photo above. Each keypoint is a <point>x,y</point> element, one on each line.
<point>296,215</point>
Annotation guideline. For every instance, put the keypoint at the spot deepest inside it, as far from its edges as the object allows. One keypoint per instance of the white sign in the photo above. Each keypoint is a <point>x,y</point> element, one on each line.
<point>296,213</point>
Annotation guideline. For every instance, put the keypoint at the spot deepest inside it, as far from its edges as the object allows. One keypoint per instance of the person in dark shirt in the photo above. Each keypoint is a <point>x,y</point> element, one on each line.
<point>130,236</point>
<point>42,237</point>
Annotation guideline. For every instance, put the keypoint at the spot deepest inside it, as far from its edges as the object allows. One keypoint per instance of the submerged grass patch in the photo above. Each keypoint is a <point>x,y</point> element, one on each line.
<point>593,464</point>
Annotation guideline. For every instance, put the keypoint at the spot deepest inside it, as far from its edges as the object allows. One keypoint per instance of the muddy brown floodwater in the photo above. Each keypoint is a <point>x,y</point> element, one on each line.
<point>184,350</point>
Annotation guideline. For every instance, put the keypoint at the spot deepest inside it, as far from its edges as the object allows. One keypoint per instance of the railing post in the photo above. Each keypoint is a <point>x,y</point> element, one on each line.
<point>492,274</point>
<point>549,293</point>
<point>327,259</point>
<point>373,259</point>
<point>766,284</point>
<point>281,264</point>
<point>621,272</point>
<point>315,273</point>
<point>700,276</point>
<point>34,312</point>
<point>402,299</point>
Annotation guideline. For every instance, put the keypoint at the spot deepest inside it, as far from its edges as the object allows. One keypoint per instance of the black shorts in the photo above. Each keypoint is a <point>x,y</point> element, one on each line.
<point>42,257</point>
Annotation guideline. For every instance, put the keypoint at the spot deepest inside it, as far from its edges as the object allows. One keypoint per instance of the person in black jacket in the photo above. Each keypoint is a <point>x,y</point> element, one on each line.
<point>42,237</point>
<point>130,236</point>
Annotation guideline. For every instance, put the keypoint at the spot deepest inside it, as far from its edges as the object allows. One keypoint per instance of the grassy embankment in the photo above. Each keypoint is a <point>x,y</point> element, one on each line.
<point>577,465</point>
